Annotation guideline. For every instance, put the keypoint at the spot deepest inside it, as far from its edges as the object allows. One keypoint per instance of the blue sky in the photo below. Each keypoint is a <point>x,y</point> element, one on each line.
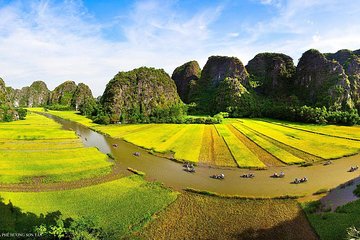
<point>90,41</point>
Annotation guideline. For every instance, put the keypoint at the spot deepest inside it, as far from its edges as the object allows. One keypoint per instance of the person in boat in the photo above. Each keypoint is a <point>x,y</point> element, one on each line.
<point>327,162</point>
<point>352,168</point>
<point>275,175</point>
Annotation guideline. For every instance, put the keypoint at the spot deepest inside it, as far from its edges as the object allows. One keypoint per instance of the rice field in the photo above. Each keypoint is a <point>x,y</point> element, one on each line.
<point>195,216</point>
<point>237,142</point>
<point>276,151</point>
<point>118,206</point>
<point>243,156</point>
<point>325,147</point>
<point>37,149</point>
<point>352,132</point>
<point>214,150</point>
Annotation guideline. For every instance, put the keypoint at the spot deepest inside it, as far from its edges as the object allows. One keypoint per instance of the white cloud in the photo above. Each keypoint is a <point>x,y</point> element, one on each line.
<point>54,42</point>
<point>58,42</point>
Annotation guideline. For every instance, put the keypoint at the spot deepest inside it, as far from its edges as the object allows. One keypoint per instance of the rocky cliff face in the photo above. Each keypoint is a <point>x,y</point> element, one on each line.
<point>81,95</point>
<point>208,94</point>
<point>34,96</point>
<point>185,78</point>
<point>37,94</point>
<point>2,91</point>
<point>272,73</point>
<point>350,62</point>
<point>322,82</point>
<point>140,91</point>
<point>63,93</point>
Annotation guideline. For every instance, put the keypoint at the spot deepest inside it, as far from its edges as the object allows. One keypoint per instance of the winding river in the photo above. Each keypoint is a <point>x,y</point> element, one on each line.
<point>172,174</point>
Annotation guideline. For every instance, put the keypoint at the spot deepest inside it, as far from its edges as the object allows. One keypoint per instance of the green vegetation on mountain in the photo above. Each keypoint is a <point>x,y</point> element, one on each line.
<point>220,74</point>
<point>142,95</point>
<point>272,74</point>
<point>322,88</point>
<point>186,77</point>
<point>63,93</point>
<point>322,82</point>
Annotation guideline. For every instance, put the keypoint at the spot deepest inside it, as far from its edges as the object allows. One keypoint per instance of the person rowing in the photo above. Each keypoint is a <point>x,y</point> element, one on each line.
<point>248,175</point>
<point>353,168</point>
<point>219,176</point>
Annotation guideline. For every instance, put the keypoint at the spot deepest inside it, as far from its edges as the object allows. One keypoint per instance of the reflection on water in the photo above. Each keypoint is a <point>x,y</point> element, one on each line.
<point>262,185</point>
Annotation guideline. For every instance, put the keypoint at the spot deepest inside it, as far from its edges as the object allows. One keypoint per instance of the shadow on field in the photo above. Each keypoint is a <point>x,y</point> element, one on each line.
<point>14,220</point>
<point>195,216</point>
<point>295,229</point>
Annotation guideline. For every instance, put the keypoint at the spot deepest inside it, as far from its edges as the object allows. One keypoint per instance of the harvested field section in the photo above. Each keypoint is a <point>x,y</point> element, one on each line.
<point>194,216</point>
<point>214,150</point>
<point>264,156</point>
<point>243,156</point>
<point>276,151</point>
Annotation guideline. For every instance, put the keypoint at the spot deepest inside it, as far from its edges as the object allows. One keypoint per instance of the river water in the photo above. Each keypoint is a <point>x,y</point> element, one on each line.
<point>262,185</point>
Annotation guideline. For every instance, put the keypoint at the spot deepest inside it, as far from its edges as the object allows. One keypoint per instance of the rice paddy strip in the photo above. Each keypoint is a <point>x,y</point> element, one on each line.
<point>243,156</point>
<point>294,151</point>
<point>322,146</point>
<point>214,150</point>
<point>153,136</point>
<point>40,144</point>
<point>278,152</point>
<point>118,206</point>
<point>264,156</point>
<point>346,132</point>
<point>49,153</point>
<point>119,131</point>
<point>35,127</point>
<point>189,145</point>
<point>68,115</point>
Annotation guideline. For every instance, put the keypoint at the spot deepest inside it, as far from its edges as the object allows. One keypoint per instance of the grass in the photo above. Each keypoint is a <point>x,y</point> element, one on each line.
<point>214,150</point>
<point>195,216</point>
<point>276,151</point>
<point>333,225</point>
<point>319,145</point>
<point>37,148</point>
<point>119,206</point>
<point>243,156</point>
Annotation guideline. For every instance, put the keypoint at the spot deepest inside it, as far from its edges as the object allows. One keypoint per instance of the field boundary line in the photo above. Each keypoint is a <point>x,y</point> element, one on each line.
<point>281,143</point>
<point>237,164</point>
<point>234,130</point>
<point>259,145</point>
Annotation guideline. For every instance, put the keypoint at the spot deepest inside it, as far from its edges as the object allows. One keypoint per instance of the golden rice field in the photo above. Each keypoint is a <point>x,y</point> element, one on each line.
<point>276,151</point>
<point>243,156</point>
<point>352,132</point>
<point>326,147</point>
<point>37,149</point>
<point>237,142</point>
